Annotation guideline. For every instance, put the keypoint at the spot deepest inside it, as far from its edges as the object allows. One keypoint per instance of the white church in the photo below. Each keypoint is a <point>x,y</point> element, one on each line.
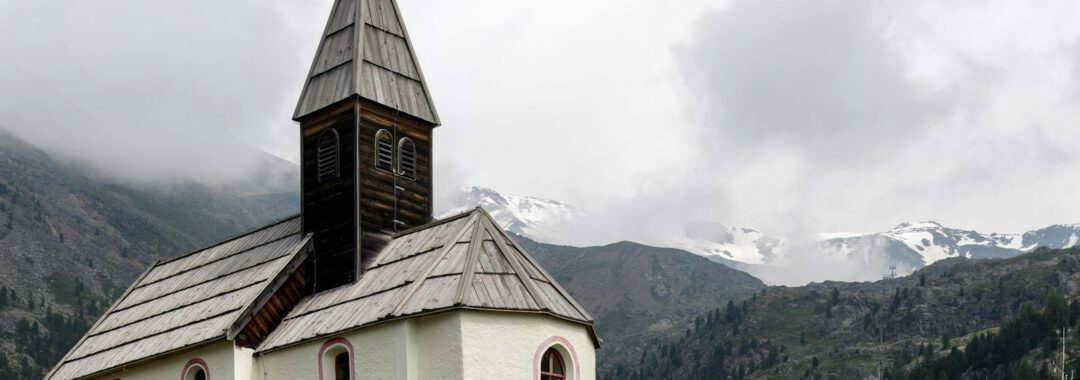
<point>364,283</point>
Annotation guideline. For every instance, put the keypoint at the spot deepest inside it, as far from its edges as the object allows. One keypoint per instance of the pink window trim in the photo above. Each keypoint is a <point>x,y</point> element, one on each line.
<point>330,344</point>
<point>195,362</point>
<point>548,344</point>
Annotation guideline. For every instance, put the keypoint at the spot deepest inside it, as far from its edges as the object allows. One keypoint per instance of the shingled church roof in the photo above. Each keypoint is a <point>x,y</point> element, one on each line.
<point>366,51</point>
<point>187,301</point>
<point>461,262</point>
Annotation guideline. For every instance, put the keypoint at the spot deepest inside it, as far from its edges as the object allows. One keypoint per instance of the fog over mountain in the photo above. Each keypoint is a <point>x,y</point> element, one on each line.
<point>787,116</point>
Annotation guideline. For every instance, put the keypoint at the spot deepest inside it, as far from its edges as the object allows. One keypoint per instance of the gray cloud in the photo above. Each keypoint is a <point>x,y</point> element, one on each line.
<point>786,116</point>
<point>151,89</point>
<point>817,77</point>
<point>854,115</point>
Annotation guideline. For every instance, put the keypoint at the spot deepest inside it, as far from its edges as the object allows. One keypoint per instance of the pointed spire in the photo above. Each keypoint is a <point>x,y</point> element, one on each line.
<point>365,50</point>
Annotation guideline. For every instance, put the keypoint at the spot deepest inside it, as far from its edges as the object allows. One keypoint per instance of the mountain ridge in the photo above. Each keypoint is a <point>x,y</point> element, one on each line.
<point>72,241</point>
<point>907,246</point>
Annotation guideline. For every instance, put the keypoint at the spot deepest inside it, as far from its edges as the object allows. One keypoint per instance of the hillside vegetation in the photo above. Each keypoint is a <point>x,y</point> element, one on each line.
<point>956,319</point>
<point>71,243</point>
<point>637,293</point>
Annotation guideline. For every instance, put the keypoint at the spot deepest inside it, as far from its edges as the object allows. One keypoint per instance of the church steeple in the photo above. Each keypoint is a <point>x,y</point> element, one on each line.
<point>366,121</point>
<point>366,51</point>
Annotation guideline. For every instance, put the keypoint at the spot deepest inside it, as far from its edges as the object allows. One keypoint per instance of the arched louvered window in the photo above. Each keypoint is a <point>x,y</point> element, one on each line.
<point>384,150</point>
<point>552,366</point>
<point>406,166</point>
<point>328,155</point>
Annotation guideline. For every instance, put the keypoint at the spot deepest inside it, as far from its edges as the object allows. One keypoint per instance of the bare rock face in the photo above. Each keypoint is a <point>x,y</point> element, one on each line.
<point>637,293</point>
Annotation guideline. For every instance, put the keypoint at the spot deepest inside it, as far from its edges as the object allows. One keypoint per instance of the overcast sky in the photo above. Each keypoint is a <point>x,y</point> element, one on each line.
<point>791,116</point>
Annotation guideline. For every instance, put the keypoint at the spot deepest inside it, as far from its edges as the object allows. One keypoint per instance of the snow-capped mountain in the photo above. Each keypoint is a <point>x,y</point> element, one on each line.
<point>913,245</point>
<point>562,223</point>
<point>740,244</point>
<point>537,218</point>
<point>908,246</point>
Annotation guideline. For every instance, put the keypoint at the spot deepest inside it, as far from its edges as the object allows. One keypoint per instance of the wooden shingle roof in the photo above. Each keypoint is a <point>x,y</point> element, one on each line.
<point>462,262</point>
<point>188,301</point>
<point>366,51</point>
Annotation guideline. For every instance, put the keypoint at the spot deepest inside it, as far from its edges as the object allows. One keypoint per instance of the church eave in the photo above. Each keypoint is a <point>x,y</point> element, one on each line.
<point>270,289</point>
<point>588,325</point>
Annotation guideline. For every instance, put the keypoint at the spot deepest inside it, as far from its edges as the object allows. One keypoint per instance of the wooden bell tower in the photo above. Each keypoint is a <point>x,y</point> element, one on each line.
<point>366,121</point>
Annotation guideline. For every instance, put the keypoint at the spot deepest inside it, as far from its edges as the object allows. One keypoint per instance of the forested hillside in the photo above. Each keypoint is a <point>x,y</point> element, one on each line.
<point>637,293</point>
<point>956,319</point>
<point>71,242</point>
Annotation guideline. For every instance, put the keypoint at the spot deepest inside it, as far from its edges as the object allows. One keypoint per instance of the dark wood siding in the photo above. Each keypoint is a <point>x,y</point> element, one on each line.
<point>356,214</point>
<point>329,207</point>
<point>391,203</point>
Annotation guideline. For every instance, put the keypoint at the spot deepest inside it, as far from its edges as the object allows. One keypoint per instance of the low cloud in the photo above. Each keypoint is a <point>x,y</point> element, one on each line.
<point>155,90</point>
<point>789,117</point>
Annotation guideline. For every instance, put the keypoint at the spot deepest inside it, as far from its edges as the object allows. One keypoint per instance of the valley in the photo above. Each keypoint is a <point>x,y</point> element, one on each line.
<point>73,241</point>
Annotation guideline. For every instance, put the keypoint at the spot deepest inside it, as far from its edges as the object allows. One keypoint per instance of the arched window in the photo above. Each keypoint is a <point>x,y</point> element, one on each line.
<point>336,360</point>
<point>552,366</point>
<point>328,155</point>
<point>384,150</point>
<point>196,369</point>
<point>341,366</point>
<point>555,359</point>
<point>406,166</point>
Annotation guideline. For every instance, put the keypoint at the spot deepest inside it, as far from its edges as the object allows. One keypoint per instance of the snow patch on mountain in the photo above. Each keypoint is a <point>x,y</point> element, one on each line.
<point>537,218</point>
<point>740,244</point>
<point>908,246</point>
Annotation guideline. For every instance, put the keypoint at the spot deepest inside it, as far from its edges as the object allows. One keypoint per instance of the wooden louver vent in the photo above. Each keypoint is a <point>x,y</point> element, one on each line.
<point>407,158</point>
<point>328,156</point>
<point>384,150</point>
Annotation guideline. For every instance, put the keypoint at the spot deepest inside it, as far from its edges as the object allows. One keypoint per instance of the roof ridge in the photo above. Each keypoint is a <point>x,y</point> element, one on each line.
<point>434,262</point>
<point>228,239</point>
<point>526,280</point>
<point>436,222</point>
<point>547,276</point>
<point>471,261</point>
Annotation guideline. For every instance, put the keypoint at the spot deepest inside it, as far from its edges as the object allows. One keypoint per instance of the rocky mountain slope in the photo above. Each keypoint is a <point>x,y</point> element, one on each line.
<point>915,326</point>
<point>637,293</point>
<point>70,242</point>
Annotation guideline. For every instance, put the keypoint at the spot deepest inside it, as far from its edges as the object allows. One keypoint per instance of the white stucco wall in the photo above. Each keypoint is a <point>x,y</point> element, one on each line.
<point>499,346</point>
<point>418,348</point>
<point>454,345</point>
<point>220,358</point>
